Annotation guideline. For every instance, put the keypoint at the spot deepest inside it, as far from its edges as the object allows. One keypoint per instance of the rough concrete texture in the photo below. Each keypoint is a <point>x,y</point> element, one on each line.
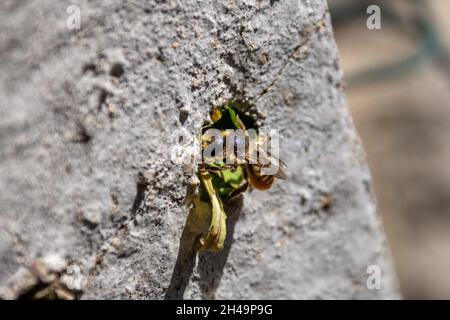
<point>86,180</point>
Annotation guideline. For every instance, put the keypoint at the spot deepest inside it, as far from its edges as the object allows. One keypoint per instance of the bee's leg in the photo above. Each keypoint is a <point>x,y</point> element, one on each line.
<point>234,167</point>
<point>214,169</point>
<point>218,171</point>
<point>238,191</point>
<point>245,168</point>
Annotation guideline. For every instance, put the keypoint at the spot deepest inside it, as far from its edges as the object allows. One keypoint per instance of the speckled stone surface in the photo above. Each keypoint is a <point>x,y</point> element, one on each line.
<point>86,118</point>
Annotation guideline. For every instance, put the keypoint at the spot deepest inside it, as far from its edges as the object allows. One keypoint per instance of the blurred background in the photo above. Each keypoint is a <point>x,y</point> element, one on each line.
<point>397,82</point>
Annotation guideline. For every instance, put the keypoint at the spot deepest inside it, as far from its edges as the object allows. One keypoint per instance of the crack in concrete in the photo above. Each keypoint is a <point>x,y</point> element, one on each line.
<point>295,53</point>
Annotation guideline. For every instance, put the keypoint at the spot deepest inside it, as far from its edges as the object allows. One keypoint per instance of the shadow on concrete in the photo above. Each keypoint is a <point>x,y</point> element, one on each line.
<point>210,264</point>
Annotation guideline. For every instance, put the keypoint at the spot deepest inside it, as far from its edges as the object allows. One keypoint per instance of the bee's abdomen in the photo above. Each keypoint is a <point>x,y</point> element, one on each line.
<point>260,182</point>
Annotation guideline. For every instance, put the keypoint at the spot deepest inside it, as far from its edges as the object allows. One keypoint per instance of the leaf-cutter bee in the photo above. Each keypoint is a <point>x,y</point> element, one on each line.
<point>230,169</point>
<point>255,157</point>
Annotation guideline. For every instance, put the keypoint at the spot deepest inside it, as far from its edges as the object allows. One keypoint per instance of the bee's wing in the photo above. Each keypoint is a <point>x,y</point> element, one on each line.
<point>251,157</point>
<point>281,174</point>
<point>281,166</point>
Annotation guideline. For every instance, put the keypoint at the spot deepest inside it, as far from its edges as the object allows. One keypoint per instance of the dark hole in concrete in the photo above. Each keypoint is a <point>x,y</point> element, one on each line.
<point>116,70</point>
<point>183,116</point>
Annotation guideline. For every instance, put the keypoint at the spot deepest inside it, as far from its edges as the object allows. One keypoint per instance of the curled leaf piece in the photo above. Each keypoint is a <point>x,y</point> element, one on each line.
<point>214,238</point>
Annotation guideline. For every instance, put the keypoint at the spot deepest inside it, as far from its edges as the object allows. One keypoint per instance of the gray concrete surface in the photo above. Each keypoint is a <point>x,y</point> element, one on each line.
<point>86,181</point>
